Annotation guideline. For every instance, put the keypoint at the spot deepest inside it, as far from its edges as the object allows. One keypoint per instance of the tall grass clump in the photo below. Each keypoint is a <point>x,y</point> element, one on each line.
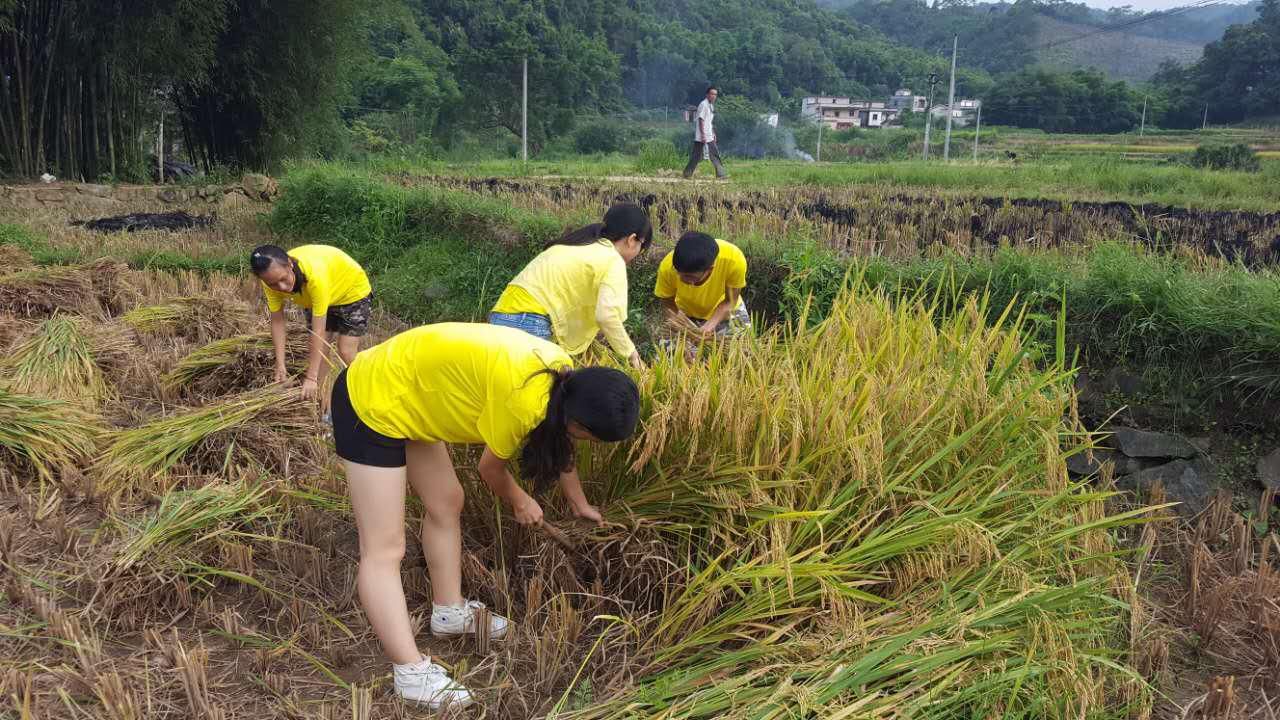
<point>877,521</point>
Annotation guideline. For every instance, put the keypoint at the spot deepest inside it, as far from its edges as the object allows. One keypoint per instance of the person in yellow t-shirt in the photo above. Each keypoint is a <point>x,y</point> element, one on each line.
<point>394,410</point>
<point>700,285</point>
<point>337,296</point>
<point>577,287</point>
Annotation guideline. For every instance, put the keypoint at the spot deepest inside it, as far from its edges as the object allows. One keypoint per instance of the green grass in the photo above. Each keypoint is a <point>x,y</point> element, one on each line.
<point>1094,179</point>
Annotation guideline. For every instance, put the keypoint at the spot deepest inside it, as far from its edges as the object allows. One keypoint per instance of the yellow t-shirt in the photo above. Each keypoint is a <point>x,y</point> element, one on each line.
<point>700,301</point>
<point>582,288</point>
<point>333,278</point>
<point>516,300</point>
<point>456,382</point>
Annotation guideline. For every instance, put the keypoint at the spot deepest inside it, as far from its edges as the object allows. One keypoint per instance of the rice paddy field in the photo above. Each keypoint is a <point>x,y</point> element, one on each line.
<point>863,510</point>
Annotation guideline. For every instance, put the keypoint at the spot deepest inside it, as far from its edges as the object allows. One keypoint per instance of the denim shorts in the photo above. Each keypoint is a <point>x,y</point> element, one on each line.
<point>536,325</point>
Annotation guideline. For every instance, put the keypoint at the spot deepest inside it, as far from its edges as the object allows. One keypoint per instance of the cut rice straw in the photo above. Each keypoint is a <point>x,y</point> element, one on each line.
<point>149,451</point>
<point>64,359</point>
<point>49,435</point>
<point>235,363</point>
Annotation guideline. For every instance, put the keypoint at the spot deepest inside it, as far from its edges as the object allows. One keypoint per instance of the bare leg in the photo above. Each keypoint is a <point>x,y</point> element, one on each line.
<point>434,480</point>
<point>377,500</point>
<point>348,346</point>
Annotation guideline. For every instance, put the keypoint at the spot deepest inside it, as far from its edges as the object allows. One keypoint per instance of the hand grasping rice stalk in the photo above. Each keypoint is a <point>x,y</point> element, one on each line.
<point>205,437</point>
<point>234,364</point>
<point>198,318</point>
<point>49,435</point>
<point>877,521</point>
<point>186,519</point>
<point>64,359</point>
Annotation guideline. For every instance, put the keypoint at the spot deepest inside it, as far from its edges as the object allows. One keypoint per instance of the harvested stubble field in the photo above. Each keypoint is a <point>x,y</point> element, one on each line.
<point>887,222</point>
<point>866,517</point>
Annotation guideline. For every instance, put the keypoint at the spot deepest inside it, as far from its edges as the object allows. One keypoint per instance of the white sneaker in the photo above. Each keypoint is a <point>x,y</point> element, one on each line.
<point>426,683</point>
<point>450,620</point>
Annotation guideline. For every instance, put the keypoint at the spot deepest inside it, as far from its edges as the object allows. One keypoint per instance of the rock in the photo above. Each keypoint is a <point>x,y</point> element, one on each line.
<point>1269,471</point>
<point>233,199</point>
<point>168,195</point>
<point>1121,464</point>
<point>1186,482</point>
<point>1122,382</point>
<point>1145,444</point>
<point>95,204</point>
<point>101,191</point>
<point>1201,444</point>
<point>259,187</point>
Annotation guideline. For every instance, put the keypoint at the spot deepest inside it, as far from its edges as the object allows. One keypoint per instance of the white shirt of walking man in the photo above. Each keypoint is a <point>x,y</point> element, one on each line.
<point>704,131</point>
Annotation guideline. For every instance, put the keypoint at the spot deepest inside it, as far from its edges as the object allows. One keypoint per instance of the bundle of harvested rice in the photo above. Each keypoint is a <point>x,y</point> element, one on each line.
<point>252,427</point>
<point>64,359</point>
<point>43,291</point>
<point>190,518</point>
<point>235,364</point>
<point>13,257</point>
<point>198,318</point>
<point>47,434</point>
<point>112,285</point>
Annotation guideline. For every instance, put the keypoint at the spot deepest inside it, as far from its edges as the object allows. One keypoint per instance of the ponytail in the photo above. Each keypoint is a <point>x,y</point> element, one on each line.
<point>621,220</point>
<point>264,256</point>
<point>603,401</point>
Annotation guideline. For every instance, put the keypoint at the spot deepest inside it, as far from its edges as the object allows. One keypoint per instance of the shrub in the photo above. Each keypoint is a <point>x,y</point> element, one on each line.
<point>602,136</point>
<point>1226,157</point>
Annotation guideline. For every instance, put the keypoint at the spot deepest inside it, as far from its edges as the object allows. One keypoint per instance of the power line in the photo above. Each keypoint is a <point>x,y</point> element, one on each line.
<point>1151,17</point>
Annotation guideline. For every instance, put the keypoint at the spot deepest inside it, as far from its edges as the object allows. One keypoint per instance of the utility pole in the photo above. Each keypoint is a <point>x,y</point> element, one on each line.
<point>1205,123</point>
<point>928,113</point>
<point>160,149</point>
<point>524,110</point>
<point>951,101</point>
<point>1142,130</point>
<point>977,131</point>
<point>821,121</point>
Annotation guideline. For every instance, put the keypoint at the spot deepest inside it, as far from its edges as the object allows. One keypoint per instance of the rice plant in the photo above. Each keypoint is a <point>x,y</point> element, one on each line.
<point>186,519</point>
<point>194,317</point>
<point>235,363</point>
<point>48,434</point>
<point>877,520</point>
<point>207,436</point>
<point>64,358</point>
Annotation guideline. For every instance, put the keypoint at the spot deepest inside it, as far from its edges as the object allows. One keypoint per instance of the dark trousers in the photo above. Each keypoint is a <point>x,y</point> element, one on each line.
<point>695,157</point>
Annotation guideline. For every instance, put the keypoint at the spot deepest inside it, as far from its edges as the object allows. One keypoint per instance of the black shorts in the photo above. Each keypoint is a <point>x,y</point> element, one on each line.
<point>351,319</point>
<point>356,441</point>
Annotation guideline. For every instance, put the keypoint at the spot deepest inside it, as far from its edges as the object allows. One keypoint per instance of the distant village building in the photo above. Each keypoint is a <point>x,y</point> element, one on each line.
<point>906,101</point>
<point>842,113</point>
<point>962,114</point>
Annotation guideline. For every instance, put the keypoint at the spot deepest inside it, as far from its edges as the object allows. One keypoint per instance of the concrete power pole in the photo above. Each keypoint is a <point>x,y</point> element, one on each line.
<point>524,110</point>
<point>951,101</point>
<point>928,114</point>
<point>160,149</point>
<point>1143,130</point>
<point>821,121</point>
<point>976,132</point>
<point>1205,123</point>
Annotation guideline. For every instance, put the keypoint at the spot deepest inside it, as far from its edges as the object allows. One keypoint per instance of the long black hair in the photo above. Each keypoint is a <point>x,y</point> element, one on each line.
<point>262,257</point>
<point>621,220</point>
<point>604,401</point>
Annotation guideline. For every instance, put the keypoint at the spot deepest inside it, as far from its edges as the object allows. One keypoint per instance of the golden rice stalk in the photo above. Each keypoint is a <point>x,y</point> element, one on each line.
<point>43,291</point>
<point>235,363</point>
<point>65,359</point>
<point>112,286</point>
<point>200,318</point>
<point>206,438</point>
<point>13,257</point>
<point>48,435</point>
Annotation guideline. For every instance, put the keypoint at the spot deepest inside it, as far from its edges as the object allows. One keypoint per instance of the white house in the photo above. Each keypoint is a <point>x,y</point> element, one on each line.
<point>905,101</point>
<point>842,113</point>
<point>963,113</point>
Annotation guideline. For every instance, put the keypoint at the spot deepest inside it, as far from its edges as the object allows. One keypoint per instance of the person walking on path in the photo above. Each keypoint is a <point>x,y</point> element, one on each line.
<point>336,294</point>
<point>704,137</point>
<point>577,287</point>
<point>395,411</point>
